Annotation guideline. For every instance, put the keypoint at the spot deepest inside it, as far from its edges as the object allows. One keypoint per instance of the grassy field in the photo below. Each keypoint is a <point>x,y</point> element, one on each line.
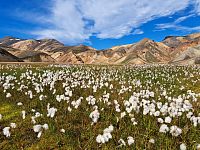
<point>99,107</point>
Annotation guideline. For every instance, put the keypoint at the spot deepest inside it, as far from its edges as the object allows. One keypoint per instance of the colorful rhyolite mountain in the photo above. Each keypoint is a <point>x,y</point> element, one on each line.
<point>173,49</point>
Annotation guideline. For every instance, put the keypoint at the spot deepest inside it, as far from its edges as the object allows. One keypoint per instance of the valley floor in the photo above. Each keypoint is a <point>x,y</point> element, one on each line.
<point>55,106</point>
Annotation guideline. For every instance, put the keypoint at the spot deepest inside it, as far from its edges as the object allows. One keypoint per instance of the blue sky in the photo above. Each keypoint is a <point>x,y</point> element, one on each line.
<point>98,23</point>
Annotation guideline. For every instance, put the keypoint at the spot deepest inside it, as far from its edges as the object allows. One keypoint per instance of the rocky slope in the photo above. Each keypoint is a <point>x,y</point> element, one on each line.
<point>173,49</point>
<point>5,56</point>
<point>189,56</point>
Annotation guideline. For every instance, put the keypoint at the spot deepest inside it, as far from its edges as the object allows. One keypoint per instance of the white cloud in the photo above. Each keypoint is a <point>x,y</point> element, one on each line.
<point>197,6</point>
<point>65,23</point>
<point>114,19</point>
<point>137,31</point>
<point>74,21</point>
<point>181,19</point>
<point>176,25</point>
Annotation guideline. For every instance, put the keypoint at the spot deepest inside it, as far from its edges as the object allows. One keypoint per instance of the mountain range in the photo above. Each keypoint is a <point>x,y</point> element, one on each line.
<point>171,50</point>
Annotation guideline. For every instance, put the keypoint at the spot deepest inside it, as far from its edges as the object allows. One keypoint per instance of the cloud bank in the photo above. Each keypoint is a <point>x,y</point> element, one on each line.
<point>75,21</point>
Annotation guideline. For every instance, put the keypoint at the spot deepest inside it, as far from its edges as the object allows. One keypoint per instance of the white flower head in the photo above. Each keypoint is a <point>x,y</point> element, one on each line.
<point>106,135</point>
<point>183,146</point>
<point>130,140</point>
<point>39,134</point>
<point>69,109</point>
<point>19,104</point>
<point>175,131</point>
<point>94,116</point>
<point>160,120</point>
<point>37,128</point>
<point>198,146</point>
<point>168,119</point>
<point>164,128</point>
<point>13,125</point>
<point>152,141</point>
<point>99,139</point>
<point>122,142</point>
<point>23,114</point>
<point>51,111</point>
<point>123,114</point>
<point>45,126</point>
<point>8,95</point>
<point>6,131</point>
<point>62,130</point>
<point>157,113</point>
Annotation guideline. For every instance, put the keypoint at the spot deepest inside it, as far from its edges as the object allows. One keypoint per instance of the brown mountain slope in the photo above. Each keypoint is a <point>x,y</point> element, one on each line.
<point>173,49</point>
<point>33,56</point>
<point>70,58</point>
<point>178,45</point>
<point>8,40</point>
<point>189,56</point>
<point>37,45</point>
<point>5,56</point>
<point>146,51</point>
<point>177,41</point>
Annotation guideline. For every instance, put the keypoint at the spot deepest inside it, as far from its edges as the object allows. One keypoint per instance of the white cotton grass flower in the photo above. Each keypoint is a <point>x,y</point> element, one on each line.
<point>23,114</point>
<point>175,131</point>
<point>152,141</point>
<point>39,134</point>
<point>51,111</point>
<point>103,138</point>
<point>198,146</point>
<point>160,120</point>
<point>38,129</point>
<point>168,119</point>
<point>189,115</point>
<point>130,140</point>
<point>164,128</point>
<point>123,114</point>
<point>194,120</point>
<point>91,100</point>
<point>121,142</point>
<point>100,139</point>
<point>42,97</point>
<point>13,125</point>
<point>77,103</point>
<point>19,104</point>
<point>183,146</point>
<point>94,116</point>
<point>6,131</point>
<point>1,116</point>
<point>37,114</point>
<point>109,129</point>
<point>69,109</point>
<point>8,95</point>
<point>157,113</point>
<point>33,120</point>
<point>62,130</point>
<point>45,126</point>
<point>106,135</point>
<point>133,121</point>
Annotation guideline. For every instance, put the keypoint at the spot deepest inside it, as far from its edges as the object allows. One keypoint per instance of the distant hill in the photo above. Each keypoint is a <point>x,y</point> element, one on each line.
<point>173,49</point>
